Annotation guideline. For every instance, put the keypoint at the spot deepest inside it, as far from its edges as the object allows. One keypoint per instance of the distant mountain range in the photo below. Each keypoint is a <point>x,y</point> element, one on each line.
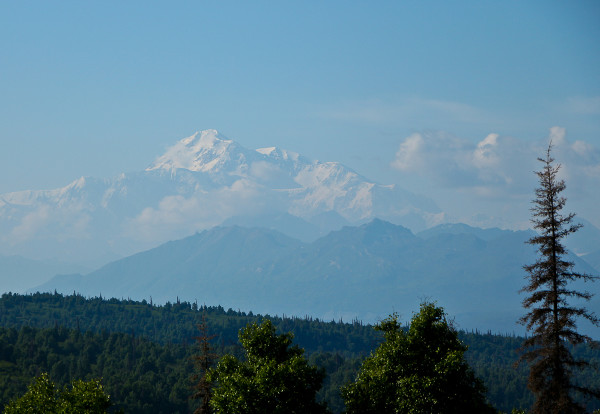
<point>202,181</point>
<point>293,236</point>
<point>364,272</point>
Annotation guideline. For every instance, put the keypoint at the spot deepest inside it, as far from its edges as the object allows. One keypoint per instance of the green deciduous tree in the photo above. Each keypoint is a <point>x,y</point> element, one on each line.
<point>42,397</point>
<point>419,370</point>
<point>275,377</point>
<point>552,314</point>
<point>85,397</point>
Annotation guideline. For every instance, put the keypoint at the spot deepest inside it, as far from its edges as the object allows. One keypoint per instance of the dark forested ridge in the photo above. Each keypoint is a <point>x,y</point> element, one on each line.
<point>158,330</point>
<point>174,322</point>
<point>143,351</point>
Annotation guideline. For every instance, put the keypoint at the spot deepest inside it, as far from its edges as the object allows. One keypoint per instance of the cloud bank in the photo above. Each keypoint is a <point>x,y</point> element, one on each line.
<point>177,216</point>
<point>500,167</point>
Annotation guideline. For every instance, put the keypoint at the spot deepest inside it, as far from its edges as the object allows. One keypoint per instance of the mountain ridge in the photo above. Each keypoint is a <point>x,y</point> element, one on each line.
<point>360,272</point>
<point>200,182</point>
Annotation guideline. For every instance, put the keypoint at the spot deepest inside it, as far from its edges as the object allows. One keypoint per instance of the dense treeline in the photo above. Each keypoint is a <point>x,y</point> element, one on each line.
<point>143,351</point>
<point>337,347</point>
<point>140,376</point>
<point>175,322</point>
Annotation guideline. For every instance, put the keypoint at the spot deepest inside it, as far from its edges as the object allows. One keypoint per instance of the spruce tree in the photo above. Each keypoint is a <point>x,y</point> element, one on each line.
<point>203,362</point>
<point>552,315</point>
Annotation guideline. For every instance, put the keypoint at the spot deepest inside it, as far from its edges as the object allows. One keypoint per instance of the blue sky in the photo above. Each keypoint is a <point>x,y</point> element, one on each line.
<point>403,92</point>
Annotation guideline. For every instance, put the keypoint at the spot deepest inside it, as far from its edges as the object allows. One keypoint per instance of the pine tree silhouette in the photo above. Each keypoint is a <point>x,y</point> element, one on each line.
<point>552,315</point>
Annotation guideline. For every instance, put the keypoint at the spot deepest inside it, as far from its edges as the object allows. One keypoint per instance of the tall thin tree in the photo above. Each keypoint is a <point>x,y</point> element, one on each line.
<point>203,361</point>
<point>552,315</point>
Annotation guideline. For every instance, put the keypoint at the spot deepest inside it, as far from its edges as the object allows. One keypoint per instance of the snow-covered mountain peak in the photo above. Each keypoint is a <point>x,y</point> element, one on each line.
<point>205,139</point>
<point>203,151</point>
<point>279,154</point>
<point>267,151</point>
<point>78,184</point>
<point>199,182</point>
<point>208,151</point>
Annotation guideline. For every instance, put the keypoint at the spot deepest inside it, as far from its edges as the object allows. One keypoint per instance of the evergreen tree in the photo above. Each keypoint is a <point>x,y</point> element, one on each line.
<point>552,315</point>
<point>421,370</point>
<point>275,377</point>
<point>203,361</point>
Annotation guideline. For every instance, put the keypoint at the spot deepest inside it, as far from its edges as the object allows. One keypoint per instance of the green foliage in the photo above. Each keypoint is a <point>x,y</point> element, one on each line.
<point>140,376</point>
<point>421,370</point>
<point>85,397</point>
<point>42,397</point>
<point>144,352</point>
<point>174,322</point>
<point>339,370</point>
<point>274,378</point>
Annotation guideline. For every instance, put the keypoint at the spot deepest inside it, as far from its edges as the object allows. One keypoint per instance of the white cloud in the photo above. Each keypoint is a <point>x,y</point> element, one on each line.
<point>499,168</point>
<point>31,224</point>
<point>495,161</point>
<point>68,222</point>
<point>408,156</point>
<point>270,174</point>
<point>558,136</point>
<point>178,216</point>
<point>485,155</point>
<point>447,160</point>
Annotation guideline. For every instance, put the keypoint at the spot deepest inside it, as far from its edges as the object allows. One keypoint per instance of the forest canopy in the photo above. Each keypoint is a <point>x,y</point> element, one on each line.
<point>143,351</point>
